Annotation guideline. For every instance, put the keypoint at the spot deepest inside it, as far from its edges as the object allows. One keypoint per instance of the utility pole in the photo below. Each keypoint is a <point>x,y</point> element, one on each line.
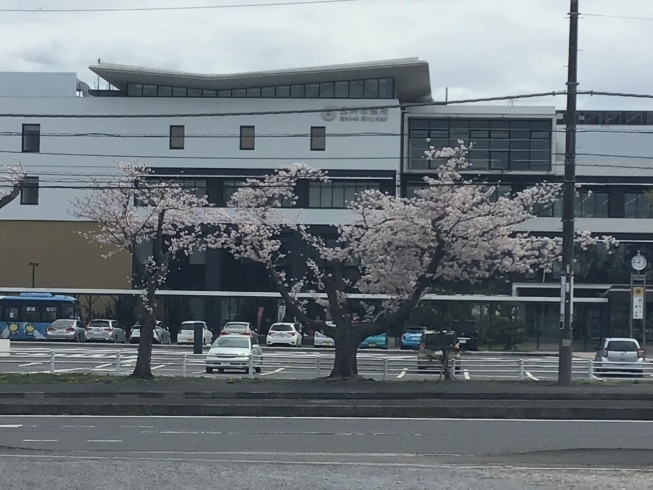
<point>34,265</point>
<point>568,193</point>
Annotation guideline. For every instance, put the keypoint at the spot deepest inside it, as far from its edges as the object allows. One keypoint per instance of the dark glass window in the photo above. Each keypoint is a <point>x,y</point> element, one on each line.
<point>179,92</point>
<point>253,92</point>
<point>318,138</point>
<point>164,91</point>
<point>371,89</point>
<point>312,91</point>
<point>386,88</point>
<point>326,90</point>
<point>341,90</point>
<point>495,144</point>
<point>297,91</point>
<point>267,92</point>
<point>177,134</point>
<point>134,90</point>
<point>336,194</point>
<point>590,204</point>
<point>238,92</point>
<point>208,93</point>
<point>29,192</point>
<point>224,93</point>
<point>196,186</point>
<point>229,188</point>
<point>31,138</point>
<point>149,90</point>
<point>638,205</point>
<point>247,137</point>
<point>283,91</point>
<point>356,89</point>
<point>194,92</point>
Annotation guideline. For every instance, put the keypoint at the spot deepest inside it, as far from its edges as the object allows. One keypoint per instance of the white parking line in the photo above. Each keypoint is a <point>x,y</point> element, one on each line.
<point>40,440</point>
<point>531,376</point>
<point>466,374</point>
<point>68,370</point>
<point>14,426</point>
<point>403,373</point>
<point>30,364</point>
<point>158,367</point>
<point>78,426</point>
<point>105,440</point>
<point>102,366</point>
<point>136,426</point>
<point>273,372</point>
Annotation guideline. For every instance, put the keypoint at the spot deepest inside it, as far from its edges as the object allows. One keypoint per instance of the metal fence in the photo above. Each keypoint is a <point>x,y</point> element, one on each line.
<point>302,365</point>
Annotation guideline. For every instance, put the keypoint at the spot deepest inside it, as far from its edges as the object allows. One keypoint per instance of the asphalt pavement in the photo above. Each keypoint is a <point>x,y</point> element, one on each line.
<point>291,453</point>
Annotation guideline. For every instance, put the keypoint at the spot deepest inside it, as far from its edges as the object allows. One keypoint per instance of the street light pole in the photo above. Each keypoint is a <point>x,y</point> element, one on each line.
<point>568,194</point>
<point>34,266</point>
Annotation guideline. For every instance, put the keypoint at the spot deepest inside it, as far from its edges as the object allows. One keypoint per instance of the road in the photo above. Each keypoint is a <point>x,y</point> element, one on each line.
<point>281,363</point>
<point>275,453</point>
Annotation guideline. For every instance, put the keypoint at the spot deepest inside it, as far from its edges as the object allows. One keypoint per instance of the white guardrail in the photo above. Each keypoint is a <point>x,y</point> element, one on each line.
<point>305,366</point>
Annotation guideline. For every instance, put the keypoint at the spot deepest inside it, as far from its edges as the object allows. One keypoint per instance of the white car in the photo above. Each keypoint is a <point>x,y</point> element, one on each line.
<point>186,333</point>
<point>105,331</point>
<point>240,328</point>
<point>284,334</point>
<point>321,340</point>
<point>619,355</point>
<point>66,330</point>
<point>234,352</point>
<point>161,334</point>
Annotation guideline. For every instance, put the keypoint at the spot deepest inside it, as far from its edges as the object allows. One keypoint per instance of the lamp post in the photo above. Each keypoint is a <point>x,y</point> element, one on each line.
<point>34,265</point>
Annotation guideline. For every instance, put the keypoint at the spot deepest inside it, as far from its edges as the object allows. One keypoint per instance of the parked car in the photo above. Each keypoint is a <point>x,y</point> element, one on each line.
<point>321,340</point>
<point>619,355</point>
<point>430,352</point>
<point>232,352</point>
<point>412,337</point>
<point>66,330</point>
<point>105,331</point>
<point>284,334</point>
<point>379,341</point>
<point>161,334</point>
<point>186,333</point>
<point>237,328</point>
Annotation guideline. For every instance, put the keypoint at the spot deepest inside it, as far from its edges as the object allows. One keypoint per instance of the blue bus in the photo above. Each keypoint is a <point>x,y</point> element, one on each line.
<point>28,315</point>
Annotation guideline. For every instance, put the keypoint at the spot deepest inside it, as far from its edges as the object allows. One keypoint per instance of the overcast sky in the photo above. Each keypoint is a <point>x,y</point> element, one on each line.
<point>474,47</point>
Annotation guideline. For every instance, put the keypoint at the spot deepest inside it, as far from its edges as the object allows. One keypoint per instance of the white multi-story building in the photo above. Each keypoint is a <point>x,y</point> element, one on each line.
<point>366,124</point>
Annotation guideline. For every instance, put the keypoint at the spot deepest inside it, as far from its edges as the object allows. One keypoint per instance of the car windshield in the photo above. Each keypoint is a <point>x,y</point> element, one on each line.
<point>235,342</point>
<point>280,327</point>
<point>236,327</point>
<point>622,345</point>
<point>63,323</point>
<point>99,323</point>
<point>415,329</point>
<point>189,326</point>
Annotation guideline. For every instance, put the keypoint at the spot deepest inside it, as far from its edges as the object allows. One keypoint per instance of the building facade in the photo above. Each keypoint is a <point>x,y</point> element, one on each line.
<point>367,125</point>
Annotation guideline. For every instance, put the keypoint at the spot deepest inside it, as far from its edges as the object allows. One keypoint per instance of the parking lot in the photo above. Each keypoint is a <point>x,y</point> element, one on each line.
<point>287,363</point>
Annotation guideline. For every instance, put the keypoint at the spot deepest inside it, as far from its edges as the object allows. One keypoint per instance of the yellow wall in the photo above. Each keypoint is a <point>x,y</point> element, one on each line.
<point>66,259</point>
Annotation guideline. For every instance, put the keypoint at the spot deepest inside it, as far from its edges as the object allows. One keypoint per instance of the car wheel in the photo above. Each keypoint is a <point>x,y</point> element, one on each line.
<point>221,371</point>
<point>257,369</point>
<point>210,370</point>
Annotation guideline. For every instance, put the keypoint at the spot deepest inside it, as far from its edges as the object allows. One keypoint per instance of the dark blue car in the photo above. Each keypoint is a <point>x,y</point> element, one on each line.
<point>412,338</point>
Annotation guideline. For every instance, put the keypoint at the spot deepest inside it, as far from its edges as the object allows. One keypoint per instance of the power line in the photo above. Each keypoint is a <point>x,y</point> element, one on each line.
<point>624,17</point>
<point>161,9</point>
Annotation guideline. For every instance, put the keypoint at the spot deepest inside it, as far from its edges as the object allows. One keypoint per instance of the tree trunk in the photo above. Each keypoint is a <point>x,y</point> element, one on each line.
<point>345,365</point>
<point>143,368</point>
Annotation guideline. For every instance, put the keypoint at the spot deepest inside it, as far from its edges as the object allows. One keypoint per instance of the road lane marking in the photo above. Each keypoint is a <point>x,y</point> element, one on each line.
<point>531,376</point>
<point>466,374</point>
<point>136,426</point>
<point>273,372</point>
<point>40,440</point>
<point>11,426</point>
<point>102,366</point>
<point>105,440</point>
<point>69,370</point>
<point>403,373</point>
<point>30,364</point>
<point>78,426</point>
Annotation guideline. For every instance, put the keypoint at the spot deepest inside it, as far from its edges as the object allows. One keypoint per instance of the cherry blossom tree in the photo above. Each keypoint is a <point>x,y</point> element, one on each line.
<point>402,248</point>
<point>11,183</point>
<point>135,209</point>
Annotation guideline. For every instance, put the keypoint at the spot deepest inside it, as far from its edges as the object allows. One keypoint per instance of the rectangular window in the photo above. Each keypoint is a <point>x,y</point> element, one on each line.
<point>29,193</point>
<point>194,92</point>
<point>134,90</point>
<point>318,138</point>
<point>254,92</point>
<point>312,91</point>
<point>371,89</point>
<point>31,138</point>
<point>337,194</point>
<point>179,92</point>
<point>197,187</point>
<point>342,90</point>
<point>267,92</point>
<point>356,89</point>
<point>326,90</point>
<point>149,90</point>
<point>238,92</point>
<point>590,204</point>
<point>229,188</point>
<point>164,91</point>
<point>297,91</point>
<point>283,91</point>
<point>177,137</point>
<point>247,137</point>
<point>386,88</point>
<point>638,205</point>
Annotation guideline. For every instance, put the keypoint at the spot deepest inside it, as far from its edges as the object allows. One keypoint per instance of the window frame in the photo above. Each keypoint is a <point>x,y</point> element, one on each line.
<point>243,136</point>
<point>25,137</point>
<point>177,137</point>
<point>315,138</point>
<point>31,184</point>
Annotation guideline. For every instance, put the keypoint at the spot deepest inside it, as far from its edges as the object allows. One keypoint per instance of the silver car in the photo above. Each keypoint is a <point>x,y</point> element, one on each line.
<point>72,330</point>
<point>105,331</point>
<point>233,352</point>
<point>161,334</point>
<point>619,355</point>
